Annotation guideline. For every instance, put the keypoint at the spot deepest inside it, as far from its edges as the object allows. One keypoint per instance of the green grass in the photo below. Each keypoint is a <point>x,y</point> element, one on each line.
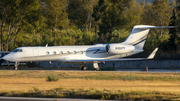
<point>92,92</point>
<point>95,94</point>
<point>92,75</point>
<point>52,78</point>
<point>129,77</point>
<point>35,89</point>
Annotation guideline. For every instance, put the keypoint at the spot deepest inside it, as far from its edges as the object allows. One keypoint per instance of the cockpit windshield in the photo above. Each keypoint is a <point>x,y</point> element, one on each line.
<point>17,50</point>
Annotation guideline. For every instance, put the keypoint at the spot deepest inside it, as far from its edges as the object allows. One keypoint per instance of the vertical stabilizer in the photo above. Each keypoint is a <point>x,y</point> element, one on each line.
<point>138,36</point>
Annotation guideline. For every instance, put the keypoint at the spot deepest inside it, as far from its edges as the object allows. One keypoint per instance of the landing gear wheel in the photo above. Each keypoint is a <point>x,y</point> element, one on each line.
<point>15,68</point>
<point>96,66</point>
<point>97,69</point>
<point>83,68</point>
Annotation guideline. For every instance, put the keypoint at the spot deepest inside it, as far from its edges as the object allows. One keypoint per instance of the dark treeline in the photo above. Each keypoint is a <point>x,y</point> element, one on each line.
<point>83,22</point>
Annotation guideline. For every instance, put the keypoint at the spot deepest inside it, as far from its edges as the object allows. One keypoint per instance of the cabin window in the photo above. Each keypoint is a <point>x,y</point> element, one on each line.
<point>47,53</point>
<point>81,52</point>
<point>67,52</point>
<point>74,52</point>
<point>60,52</point>
<point>54,53</point>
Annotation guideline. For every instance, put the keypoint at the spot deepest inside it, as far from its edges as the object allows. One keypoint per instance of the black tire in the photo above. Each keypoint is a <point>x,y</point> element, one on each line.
<point>97,69</point>
<point>83,68</point>
<point>15,68</point>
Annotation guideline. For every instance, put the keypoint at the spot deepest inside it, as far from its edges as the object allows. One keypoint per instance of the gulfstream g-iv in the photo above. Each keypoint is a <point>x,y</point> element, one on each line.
<point>87,53</point>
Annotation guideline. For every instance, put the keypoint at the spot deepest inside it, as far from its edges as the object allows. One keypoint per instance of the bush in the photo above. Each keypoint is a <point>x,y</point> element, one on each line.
<point>36,89</point>
<point>52,78</point>
<point>129,77</point>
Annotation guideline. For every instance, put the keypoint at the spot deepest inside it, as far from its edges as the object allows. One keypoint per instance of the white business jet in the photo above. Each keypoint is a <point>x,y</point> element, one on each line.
<point>87,53</point>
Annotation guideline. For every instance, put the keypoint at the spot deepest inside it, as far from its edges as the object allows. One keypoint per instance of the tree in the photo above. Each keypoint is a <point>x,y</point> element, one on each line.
<point>173,34</point>
<point>178,15</point>
<point>134,12</point>
<point>16,15</point>
<point>147,15</point>
<point>4,10</point>
<point>112,17</point>
<point>56,16</point>
<point>97,10</point>
<point>158,13</point>
<point>171,45</point>
<point>79,13</point>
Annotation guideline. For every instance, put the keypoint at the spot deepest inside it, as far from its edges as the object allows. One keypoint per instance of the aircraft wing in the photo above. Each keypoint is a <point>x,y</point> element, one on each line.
<point>151,56</point>
<point>99,60</point>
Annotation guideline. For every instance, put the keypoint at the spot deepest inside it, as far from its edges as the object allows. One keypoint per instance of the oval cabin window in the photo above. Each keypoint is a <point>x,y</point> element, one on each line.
<point>54,53</point>
<point>74,52</point>
<point>67,52</point>
<point>60,52</point>
<point>81,52</point>
<point>47,53</point>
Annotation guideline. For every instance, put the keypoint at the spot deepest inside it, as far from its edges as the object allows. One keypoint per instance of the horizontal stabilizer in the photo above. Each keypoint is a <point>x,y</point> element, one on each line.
<point>150,27</point>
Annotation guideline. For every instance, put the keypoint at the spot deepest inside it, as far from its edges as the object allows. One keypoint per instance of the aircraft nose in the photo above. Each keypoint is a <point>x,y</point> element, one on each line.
<point>8,57</point>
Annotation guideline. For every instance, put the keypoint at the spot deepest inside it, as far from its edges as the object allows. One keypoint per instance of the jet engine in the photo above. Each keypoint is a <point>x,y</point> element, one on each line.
<point>119,49</point>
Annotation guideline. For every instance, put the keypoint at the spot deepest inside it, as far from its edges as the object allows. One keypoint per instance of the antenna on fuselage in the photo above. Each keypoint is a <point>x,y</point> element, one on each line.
<point>46,45</point>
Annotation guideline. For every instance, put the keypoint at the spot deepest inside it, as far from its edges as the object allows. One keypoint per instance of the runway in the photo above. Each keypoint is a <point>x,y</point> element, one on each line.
<point>119,70</point>
<point>46,99</point>
<point>149,70</point>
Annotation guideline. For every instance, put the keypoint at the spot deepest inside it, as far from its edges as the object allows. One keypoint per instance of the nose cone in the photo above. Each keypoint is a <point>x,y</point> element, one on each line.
<point>8,57</point>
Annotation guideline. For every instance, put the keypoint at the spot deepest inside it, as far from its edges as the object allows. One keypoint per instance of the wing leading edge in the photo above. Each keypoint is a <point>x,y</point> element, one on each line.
<point>151,56</point>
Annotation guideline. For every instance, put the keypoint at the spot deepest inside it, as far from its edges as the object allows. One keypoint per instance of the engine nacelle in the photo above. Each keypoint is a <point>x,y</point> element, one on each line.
<point>119,49</point>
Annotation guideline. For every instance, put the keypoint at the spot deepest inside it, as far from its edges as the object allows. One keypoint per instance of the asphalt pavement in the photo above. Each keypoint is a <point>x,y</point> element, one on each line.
<point>46,99</point>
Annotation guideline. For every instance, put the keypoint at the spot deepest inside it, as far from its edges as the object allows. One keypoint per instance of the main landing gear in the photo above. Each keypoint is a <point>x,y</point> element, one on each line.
<point>95,66</point>
<point>82,67</point>
<point>16,66</point>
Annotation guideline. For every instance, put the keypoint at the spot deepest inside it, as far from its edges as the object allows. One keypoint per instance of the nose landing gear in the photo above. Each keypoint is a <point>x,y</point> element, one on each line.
<point>95,66</point>
<point>16,66</point>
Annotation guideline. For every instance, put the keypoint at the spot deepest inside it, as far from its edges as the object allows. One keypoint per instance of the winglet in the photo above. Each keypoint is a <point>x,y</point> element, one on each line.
<point>46,45</point>
<point>151,56</point>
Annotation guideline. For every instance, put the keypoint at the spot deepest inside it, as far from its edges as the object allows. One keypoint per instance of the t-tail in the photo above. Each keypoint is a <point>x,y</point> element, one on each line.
<point>139,34</point>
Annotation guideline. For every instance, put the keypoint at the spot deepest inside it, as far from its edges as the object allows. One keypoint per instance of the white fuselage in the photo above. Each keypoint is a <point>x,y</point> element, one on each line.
<point>62,53</point>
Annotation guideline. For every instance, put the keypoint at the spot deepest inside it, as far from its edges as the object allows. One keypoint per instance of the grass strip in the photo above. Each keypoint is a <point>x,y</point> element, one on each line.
<point>91,75</point>
<point>94,94</point>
